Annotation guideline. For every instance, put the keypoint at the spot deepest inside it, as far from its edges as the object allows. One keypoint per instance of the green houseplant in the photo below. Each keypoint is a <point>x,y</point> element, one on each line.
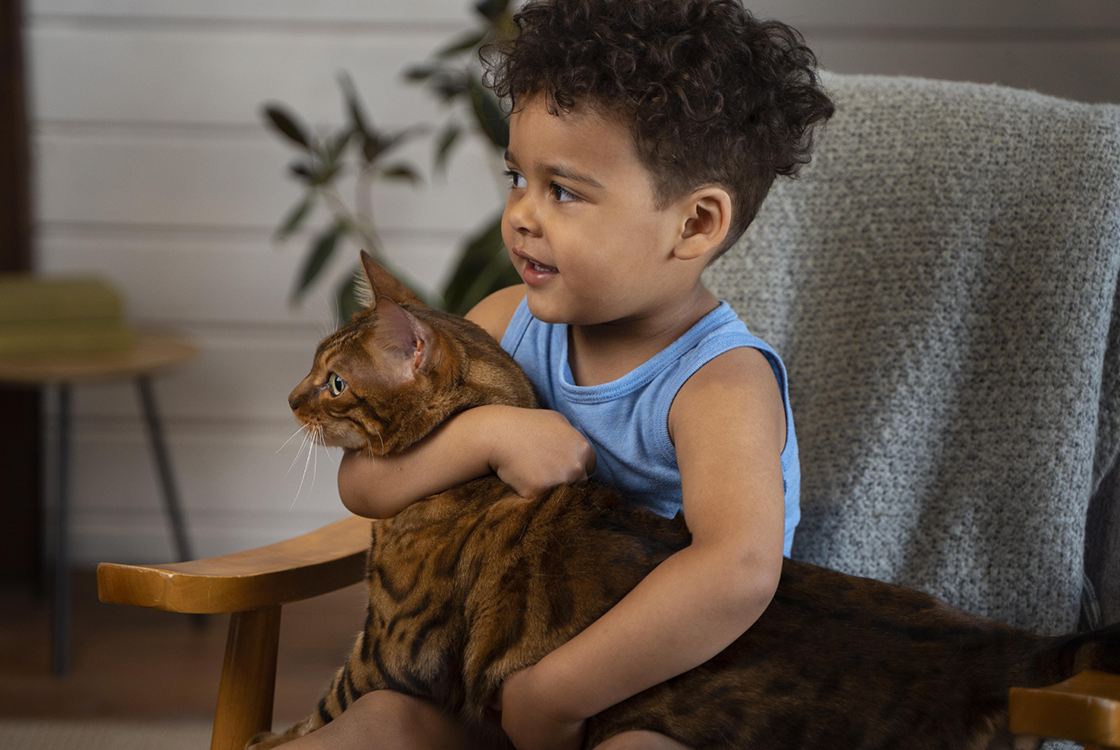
<point>358,149</point>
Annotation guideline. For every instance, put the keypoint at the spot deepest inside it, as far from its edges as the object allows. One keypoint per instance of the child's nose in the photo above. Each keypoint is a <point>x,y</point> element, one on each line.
<point>521,213</point>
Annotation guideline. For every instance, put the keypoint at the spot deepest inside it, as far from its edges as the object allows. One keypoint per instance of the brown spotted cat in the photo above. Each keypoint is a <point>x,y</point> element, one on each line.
<point>469,585</point>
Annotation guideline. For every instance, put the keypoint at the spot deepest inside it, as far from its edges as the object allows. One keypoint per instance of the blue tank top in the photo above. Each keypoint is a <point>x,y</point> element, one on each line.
<point>627,420</point>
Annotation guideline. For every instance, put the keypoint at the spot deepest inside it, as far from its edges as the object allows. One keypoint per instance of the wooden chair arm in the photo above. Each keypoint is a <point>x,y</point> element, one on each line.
<point>316,563</point>
<point>254,584</point>
<point>1084,708</point>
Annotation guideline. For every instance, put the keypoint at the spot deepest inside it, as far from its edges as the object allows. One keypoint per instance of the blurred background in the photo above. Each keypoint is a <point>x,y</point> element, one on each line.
<point>151,166</point>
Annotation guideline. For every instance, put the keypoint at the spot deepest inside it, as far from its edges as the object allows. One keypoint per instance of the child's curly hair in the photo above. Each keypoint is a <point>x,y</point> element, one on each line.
<point>713,95</point>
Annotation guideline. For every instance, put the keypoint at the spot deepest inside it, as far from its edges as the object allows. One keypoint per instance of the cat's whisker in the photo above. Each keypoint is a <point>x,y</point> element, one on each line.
<point>382,442</point>
<point>306,463</point>
<point>298,431</point>
<point>306,436</point>
<point>314,469</point>
<point>326,448</point>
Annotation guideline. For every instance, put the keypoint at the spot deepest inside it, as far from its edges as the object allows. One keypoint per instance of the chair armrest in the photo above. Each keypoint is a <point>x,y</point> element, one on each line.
<point>316,563</point>
<point>1084,708</point>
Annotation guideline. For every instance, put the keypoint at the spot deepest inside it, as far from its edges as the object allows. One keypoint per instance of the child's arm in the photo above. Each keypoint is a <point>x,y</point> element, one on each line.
<point>728,427</point>
<point>529,449</point>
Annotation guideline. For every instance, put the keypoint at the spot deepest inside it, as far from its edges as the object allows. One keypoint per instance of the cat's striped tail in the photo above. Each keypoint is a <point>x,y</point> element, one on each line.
<point>1063,657</point>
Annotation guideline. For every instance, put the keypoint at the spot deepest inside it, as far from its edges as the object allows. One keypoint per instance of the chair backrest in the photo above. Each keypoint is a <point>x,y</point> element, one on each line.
<point>941,282</point>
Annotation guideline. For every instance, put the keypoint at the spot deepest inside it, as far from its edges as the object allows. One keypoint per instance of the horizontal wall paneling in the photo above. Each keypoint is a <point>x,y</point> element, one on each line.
<point>153,169</point>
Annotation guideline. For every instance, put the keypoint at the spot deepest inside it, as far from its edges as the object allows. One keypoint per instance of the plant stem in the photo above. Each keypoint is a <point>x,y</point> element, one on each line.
<point>354,222</point>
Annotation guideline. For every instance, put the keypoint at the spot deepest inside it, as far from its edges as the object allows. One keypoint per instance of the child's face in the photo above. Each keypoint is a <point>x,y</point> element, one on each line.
<point>581,223</point>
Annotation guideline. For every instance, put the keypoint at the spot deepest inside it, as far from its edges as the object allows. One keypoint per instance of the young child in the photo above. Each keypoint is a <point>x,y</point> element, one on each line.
<point>644,135</point>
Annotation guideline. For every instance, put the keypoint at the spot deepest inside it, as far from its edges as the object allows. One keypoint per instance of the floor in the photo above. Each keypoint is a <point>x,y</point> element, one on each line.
<point>136,663</point>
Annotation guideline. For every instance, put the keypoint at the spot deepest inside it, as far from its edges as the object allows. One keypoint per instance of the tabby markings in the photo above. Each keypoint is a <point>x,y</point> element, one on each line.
<point>561,599</point>
<point>441,618</point>
<point>386,583</point>
<point>324,714</point>
<point>413,685</point>
<point>448,560</point>
<point>399,617</point>
<point>515,584</point>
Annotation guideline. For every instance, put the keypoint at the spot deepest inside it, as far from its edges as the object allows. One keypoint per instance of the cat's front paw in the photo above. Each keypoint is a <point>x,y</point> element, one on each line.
<point>263,741</point>
<point>267,740</point>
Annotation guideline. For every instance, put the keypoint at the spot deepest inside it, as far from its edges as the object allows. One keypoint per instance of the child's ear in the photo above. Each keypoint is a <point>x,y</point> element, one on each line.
<point>707,220</point>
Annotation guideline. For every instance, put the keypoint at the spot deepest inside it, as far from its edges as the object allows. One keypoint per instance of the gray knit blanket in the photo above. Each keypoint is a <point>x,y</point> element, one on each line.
<point>941,282</point>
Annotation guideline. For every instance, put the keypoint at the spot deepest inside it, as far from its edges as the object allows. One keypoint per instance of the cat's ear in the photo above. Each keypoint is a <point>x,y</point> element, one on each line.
<point>383,284</point>
<point>402,334</point>
<point>363,292</point>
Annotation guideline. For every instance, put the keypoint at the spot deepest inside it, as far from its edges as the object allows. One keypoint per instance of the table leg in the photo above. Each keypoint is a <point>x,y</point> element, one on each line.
<point>166,477</point>
<point>60,645</point>
<point>163,466</point>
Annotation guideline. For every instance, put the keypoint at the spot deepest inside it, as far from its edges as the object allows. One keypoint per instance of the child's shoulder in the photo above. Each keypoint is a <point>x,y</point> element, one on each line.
<point>495,311</point>
<point>736,387</point>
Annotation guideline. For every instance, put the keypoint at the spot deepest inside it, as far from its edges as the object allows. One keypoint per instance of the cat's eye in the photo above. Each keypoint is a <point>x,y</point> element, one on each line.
<point>335,383</point>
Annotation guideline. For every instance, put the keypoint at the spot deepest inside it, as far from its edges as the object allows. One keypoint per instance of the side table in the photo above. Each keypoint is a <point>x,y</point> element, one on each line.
<point>152,353</point>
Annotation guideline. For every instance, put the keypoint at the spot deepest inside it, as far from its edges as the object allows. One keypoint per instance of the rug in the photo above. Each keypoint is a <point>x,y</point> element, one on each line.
<point>93,734</point>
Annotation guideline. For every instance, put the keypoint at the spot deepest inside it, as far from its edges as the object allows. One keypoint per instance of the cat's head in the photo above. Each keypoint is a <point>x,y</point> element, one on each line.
<point>398,369</point>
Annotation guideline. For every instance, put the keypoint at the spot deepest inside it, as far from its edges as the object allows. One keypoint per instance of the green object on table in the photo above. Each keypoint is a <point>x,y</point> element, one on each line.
<point>44,316</point>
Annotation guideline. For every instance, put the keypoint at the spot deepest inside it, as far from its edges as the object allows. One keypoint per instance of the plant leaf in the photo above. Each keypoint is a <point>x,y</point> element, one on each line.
<point>326,174</point>
<point>473,261</point>
<point>489,115</point>
<point>402,172</point>
<point>446,140</point>
<point>287,124</point>
<point>497,274</point>
<point>491,9</point>
<point>373,149</point>
<point>421,72</point>
<point>301,169</point>
<point>353,103</point>
<point>337,145</point>
<point>450,84</point>
<point>321,252</point>
<point>295,217</point>
<point>467,41</point>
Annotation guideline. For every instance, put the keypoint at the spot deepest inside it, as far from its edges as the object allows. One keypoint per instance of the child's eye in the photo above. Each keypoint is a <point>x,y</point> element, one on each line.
<point>516,180</point>
<point>560,194</point>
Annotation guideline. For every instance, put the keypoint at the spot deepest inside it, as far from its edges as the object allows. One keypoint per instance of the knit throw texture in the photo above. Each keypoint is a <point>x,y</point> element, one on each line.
<point>941,282</point>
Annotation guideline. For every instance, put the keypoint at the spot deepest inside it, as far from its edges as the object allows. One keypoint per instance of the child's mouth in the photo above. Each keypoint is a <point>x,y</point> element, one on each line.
<point>535,274</point>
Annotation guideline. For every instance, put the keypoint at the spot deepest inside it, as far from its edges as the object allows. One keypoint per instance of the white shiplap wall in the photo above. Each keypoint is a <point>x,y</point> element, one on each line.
<point>153,169</point>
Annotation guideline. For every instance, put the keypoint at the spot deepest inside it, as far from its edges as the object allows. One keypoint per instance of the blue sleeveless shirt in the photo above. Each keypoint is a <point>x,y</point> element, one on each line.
<point>627,420</point>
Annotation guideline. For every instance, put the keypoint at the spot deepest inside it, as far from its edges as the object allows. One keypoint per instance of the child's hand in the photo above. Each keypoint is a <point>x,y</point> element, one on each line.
<point>526,720</point>
<point>536,449</point>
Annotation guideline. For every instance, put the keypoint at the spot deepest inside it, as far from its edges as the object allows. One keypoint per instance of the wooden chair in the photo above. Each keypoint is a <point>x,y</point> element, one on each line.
<point>252,585</point>
<point>942,284</point>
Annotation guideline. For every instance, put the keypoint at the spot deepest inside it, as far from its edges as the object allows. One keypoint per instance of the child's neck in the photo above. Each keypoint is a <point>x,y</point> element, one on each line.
<point>605,352</point>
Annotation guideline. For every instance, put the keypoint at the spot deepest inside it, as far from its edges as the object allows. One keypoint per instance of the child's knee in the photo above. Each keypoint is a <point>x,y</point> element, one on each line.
<point>402,721</point>
<point>389,714</point>
<point>640,740</point>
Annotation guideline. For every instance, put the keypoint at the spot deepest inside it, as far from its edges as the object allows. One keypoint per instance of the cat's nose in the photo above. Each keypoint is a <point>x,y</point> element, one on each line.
<point>295,398</point>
